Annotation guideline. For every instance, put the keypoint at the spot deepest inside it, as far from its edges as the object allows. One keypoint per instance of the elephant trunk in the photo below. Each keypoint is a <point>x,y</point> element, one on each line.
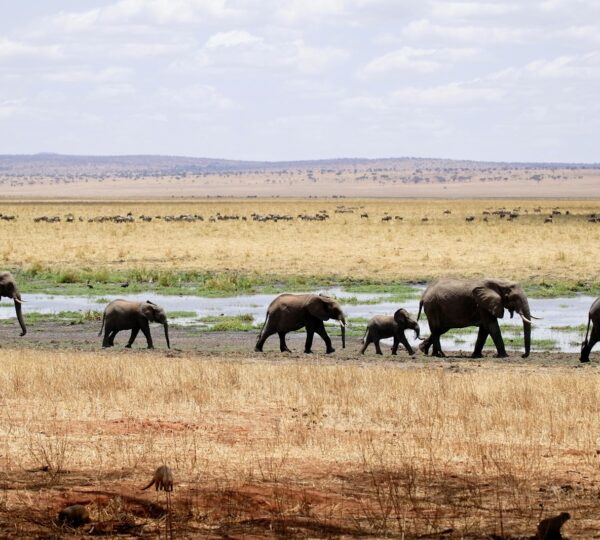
<point>343,327</point>
<point>526,316</point>
<point>417,330</point>
<point>167,335</point>
<point>18,310</point>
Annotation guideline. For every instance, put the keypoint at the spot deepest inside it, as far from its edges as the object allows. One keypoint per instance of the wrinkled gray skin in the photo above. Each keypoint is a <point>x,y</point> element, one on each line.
<point>8,289</point>
<point>135,316</point>
<point>456,303</point>
<point>387,326</point>
<point>594,318</point>
<point>289,312</point>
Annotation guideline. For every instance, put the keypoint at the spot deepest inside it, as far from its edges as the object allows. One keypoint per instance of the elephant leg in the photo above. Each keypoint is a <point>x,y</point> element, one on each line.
<point>377,346</point>
<point>106,340</point>
<point>310,333</point>
<point>145,328</point>
<point>435,340</point>
<point>134,333</point>
<point>482,336</point>
<point>406,344</point>
<point>367,342</point>
<point>320,329</point>
<point>111,338</point>
<point>587,347</point>
<point>395,344</point>
<point>265,334</point>
<point>494,330</point>
<point>282,345</point>
<point>425,345</point>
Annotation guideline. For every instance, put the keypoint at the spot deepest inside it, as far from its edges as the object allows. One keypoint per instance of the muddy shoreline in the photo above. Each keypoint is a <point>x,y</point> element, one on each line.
<point>193,342</point>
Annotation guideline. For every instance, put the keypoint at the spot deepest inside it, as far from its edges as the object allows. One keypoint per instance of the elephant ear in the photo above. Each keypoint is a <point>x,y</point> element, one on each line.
<point>489,300</point>
<point>401,317</point>
<point>148,310</point>
<point>318,306</point>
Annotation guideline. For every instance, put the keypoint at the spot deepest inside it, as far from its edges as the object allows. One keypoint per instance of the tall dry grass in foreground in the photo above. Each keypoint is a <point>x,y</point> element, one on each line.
<point>299,448</point>
<point>346,245</point>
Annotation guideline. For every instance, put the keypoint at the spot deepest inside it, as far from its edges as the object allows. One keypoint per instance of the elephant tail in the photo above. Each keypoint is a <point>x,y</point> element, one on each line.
<point>365,336</point>
<point>420,307</point>
<point>587,331</point>
<point>264,324</point>
<point>102,327</point>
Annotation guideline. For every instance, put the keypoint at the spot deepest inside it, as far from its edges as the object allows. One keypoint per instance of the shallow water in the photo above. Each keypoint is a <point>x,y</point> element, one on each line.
<point>555,312</point>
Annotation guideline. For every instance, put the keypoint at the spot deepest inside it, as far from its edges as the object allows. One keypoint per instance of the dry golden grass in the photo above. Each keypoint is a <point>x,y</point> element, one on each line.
<point>346,245</point>
<point>296,448</point>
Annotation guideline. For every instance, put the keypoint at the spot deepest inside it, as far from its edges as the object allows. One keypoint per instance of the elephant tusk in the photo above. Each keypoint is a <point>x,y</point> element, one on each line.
<point>20,301</point>
<point>342,324</point>
<point>537,318</point>
<point>525,318</point>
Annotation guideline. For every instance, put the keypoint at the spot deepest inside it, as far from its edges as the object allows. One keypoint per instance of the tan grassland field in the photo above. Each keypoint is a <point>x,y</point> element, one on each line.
<point>426,243</point>
<point>290,445</point>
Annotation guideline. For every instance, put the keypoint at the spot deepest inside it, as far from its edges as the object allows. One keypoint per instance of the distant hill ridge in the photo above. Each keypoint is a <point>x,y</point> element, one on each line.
<point>157,165</point>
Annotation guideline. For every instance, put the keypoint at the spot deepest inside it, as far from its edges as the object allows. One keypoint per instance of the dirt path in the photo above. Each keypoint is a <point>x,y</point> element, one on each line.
<point>193,342</point>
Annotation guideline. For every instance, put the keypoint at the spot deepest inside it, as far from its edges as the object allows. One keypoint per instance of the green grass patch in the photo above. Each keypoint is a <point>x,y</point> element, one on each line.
<point>73,317</point>
<point>557,289</point>
<point>542,344</point>
<point>579,328</point>
<point>229,323</point>
<point>181,314</point>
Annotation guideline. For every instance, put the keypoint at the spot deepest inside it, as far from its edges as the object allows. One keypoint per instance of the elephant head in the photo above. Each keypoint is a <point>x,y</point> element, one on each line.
<point>157,314</point>
<point>325,308</point>
<point>404,320</point>
<point>496,296</point>
<point>8,288</point>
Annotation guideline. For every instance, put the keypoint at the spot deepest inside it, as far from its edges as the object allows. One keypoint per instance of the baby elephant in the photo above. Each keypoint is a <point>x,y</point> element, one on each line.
<point>135,316</point>
<point>387,326</point>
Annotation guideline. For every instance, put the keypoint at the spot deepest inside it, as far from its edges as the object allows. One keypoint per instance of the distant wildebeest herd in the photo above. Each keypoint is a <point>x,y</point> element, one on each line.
<point>447,303</point>
<point>321,215</point>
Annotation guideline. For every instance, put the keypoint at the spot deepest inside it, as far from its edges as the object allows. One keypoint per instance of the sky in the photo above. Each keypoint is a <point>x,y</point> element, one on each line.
<point>302,79</point>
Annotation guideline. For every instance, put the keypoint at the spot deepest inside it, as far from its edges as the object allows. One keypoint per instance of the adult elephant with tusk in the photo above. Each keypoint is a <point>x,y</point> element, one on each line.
<point>289,312</point>
<point>456,303</point>
<point>8,289</point>
<point>135,316</point>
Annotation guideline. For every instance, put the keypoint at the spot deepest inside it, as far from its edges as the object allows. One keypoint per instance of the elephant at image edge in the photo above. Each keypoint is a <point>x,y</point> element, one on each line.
<point>135,316</point>
<point>289,312</point>
<point>387,326</point>
<point>8,288</point>
<point>594,318</point>
<point>455,303</point>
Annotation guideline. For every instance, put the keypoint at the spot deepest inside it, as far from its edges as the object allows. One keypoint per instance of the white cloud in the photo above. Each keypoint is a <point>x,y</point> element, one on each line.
<point>17,49</point>
<point>448,94</point>
<point>233,38</point>
<point>425,29</point>
<point>421,60</point>
<point>301,10</point>
<point>471,9</point>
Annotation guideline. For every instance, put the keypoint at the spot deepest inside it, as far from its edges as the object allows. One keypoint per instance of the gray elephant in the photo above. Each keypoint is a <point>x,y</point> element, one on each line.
<point>387,326</point>
<point>456,303</point>
<point>135,316</point>
<point>8,289</point>
<point>289,312</point>
<point>594,318</point>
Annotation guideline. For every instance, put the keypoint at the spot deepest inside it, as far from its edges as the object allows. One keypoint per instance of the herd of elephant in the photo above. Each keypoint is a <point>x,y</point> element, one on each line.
<point>447,303</point>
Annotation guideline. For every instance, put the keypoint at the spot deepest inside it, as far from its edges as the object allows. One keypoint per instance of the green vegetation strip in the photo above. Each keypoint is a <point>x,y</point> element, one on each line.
<point>103,281</point>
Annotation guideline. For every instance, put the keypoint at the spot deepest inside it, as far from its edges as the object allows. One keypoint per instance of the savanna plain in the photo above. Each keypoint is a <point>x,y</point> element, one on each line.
<point>291,445</point>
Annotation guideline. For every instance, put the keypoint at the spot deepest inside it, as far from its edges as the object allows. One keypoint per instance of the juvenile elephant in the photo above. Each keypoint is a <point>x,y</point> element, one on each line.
<point>456,303</point>
<point>289,312</point>
<point>594,318</point>
<point>135,316</point>
<point>8,288</point>
<point>387,326</point>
